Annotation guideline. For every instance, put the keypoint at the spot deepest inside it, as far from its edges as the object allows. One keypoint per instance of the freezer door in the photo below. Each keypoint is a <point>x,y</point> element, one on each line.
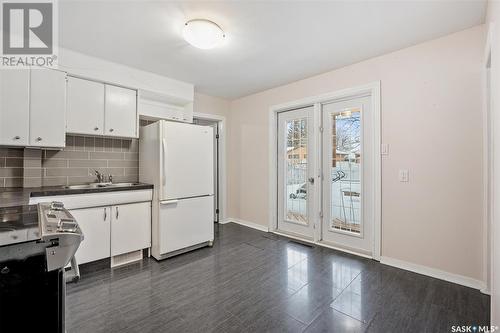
<point>187,161</point>
<point>185,223</point>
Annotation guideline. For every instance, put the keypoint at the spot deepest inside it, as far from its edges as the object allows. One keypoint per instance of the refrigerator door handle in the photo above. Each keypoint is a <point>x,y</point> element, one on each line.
<point>168,202</point>
<point>164,144</point>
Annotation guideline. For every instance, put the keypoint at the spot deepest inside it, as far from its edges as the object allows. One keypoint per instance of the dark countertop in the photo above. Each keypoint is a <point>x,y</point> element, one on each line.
<point>19,196</point>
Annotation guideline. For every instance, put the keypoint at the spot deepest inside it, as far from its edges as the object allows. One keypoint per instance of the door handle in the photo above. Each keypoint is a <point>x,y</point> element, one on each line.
<point>164,157</point>
<point>105,214</point>
<point>117,213</point>
<point>311,180</point>
<point>168,202</point>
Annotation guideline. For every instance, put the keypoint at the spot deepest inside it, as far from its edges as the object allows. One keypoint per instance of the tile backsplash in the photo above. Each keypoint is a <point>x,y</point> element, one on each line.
<point>75,164</point>
<point>11,167</point>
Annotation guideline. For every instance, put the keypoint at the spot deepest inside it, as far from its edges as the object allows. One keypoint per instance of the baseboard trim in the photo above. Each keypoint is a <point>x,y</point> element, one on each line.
<point>245,223</point>
<point>435,273</point>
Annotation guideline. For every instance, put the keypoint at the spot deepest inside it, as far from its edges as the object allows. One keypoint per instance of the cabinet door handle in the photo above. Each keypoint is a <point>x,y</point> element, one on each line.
<point>17,137</point>
<point>111,130</point>
<point>105,214</point>
<point>117,213</point>
<point>39,139</point>
<point>96,128</point>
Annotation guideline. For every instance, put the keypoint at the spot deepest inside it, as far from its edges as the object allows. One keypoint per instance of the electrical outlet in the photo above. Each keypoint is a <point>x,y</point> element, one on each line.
<point>404,175</point>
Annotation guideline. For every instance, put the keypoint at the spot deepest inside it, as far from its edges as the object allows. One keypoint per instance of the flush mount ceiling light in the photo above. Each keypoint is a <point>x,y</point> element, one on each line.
<point>203,34</point>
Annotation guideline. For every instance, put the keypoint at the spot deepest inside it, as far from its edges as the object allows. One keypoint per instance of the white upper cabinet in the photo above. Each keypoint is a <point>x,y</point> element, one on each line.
<point>85,107</point>
<point>120,116</point>
<point>14,107</point>
<point>47,108</point>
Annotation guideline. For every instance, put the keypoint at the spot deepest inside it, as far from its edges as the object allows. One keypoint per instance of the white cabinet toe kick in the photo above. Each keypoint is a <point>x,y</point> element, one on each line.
<point>114,224</point>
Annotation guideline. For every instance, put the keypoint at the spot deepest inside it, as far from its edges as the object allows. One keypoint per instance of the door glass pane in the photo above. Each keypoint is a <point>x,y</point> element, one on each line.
<point>346,171</point>
<point>296,170</point>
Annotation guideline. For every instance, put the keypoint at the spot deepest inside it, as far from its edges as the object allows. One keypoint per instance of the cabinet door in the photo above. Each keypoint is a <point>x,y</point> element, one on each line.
<point>95,225</point>
<point>14,107</point>
<point>47,108</point>
<point>85,107</point>
<point>120,112</point>
<point>130,228</point>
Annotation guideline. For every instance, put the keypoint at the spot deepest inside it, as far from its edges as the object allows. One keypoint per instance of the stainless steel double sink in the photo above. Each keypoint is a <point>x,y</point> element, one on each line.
<point>99,185</point>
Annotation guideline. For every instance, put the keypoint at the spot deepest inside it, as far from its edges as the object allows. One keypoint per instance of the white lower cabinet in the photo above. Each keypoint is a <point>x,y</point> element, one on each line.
<point>95,224</point>
<point>113,230</point>
<point>130,228</point>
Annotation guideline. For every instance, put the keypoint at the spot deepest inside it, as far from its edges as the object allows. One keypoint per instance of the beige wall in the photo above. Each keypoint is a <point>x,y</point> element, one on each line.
<point>212,105</point>
<point>431,118</point>
<point>493,16</point>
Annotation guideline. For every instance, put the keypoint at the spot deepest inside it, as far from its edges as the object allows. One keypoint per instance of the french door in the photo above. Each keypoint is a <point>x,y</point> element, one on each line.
<point>348,179</point>
<point>335,140</point>
<point>296,156</point>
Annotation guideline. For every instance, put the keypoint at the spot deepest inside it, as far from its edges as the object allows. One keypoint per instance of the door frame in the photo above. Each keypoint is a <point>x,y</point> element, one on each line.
<point>372,89</point>
<point>222,186</point>
<point>488,167</point>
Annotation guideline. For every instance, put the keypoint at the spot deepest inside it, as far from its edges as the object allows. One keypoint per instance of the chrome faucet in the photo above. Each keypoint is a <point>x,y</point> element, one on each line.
<point>99,176</point>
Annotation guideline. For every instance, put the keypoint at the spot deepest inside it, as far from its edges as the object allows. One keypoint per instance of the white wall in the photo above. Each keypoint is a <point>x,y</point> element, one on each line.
<point>493,20</point>
<point>431,118</point>
<point>99,69</point>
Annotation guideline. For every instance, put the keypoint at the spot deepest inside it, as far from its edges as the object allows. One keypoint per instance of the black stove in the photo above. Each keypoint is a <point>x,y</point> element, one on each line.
<point>37,242</point>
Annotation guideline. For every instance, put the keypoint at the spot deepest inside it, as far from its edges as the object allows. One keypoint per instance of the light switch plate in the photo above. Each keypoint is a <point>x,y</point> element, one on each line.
<point>384,149</point>
<point>404,175</point>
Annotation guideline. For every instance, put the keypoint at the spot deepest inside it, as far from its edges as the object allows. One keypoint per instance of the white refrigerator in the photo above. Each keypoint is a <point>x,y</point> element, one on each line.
<point>177,158</point>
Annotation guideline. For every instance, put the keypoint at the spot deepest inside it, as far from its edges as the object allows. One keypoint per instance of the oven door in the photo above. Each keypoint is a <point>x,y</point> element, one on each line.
<point>31,299</point>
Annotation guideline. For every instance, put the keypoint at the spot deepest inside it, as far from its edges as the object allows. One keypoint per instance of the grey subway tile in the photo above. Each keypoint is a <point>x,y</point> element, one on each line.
<point>80,180</point>
<point>15,152</point>
<point>11,172</point>
<point>106,156</point>
<point>131,171</point>
<point>2,162</point>
<point>108,144</point>
<point>13,182</point>
<point>33,172</point>
<point>69,155</point>
<point>131,156</point>
<point>123,163</point>
<point>32,153</point>
<point>79,143</point>
<point>54,172</point>
<point>88,163</point>
<point>89,143</point>
<point>54,181</point>
<point>13,162</point>
<point>117,145</point>
<point>126,179</point>
<point>70,142</point>
<point>99,144</point>
<point>32,163</point>
<point>32,182</point>
<point>53,163</point>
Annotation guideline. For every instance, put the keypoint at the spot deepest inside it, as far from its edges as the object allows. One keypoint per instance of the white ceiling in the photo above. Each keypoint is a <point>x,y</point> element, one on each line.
<point>268,43</point>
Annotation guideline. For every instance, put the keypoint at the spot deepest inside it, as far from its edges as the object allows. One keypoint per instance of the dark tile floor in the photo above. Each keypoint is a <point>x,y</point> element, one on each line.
<point>252,281</point>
